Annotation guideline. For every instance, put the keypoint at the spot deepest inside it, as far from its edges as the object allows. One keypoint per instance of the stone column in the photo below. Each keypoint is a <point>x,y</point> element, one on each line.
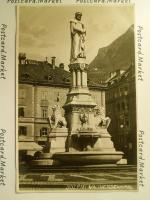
<point>84,79</point>
<point>78,78</point>
<point>73,78</point>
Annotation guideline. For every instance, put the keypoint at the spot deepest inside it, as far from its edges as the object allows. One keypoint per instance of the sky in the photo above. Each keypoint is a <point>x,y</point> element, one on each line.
<point>45,31</point>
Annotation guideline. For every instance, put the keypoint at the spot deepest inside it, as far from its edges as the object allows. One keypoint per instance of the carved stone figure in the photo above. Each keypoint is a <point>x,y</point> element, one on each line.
<point>56,119</point>
<point>83,118</point>
<point>78,33</point>
<point>100,120</point>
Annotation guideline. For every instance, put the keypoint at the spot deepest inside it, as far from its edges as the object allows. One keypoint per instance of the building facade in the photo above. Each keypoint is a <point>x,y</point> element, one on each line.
<point>121,108</point>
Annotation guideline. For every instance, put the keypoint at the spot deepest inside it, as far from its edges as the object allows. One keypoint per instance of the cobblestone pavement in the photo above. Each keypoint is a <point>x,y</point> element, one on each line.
<point>97,179</point>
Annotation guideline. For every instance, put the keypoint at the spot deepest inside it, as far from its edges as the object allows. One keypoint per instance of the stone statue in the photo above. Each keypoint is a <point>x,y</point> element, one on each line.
<point>78,33</point>
<point>56,120</point>
<point>100,120</point>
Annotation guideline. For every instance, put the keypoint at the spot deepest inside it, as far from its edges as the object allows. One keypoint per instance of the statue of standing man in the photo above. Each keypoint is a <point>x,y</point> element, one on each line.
<point>78,34</point>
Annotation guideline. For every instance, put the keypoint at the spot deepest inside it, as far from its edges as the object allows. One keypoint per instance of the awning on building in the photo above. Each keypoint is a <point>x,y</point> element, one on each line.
<point>30,146</point>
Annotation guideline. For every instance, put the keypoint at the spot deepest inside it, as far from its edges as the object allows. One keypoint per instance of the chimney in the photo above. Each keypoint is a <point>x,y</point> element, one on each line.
<point>53,62</point>
<point>22,58</point>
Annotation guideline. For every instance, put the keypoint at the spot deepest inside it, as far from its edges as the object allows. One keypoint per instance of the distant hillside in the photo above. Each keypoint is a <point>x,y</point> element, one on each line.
<point>118,55</point>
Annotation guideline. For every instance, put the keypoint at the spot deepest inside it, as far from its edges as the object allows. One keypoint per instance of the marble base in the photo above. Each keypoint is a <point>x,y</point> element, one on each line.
<point>104,142</point>
<point>57,139</point>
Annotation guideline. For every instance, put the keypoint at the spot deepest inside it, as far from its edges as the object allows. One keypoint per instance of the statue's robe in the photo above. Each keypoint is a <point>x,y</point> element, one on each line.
<point>77,40</point>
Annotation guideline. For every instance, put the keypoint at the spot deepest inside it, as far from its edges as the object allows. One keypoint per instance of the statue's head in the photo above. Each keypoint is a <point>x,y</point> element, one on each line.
<point>78,15</point>
<point>56,108</point>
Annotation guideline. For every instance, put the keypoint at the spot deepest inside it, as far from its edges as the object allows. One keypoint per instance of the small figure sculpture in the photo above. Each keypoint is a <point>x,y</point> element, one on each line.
<point>83,118</point>
<point>56,119</point>
<point>78,33</point>
<point>100,120</point>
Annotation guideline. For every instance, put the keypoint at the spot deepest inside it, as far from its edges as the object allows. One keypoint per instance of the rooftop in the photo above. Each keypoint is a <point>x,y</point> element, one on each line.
<point>121,76</point>
<point>44,73</point>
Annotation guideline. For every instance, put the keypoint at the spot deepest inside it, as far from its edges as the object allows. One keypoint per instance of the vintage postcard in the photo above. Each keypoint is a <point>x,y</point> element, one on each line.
<point>78,122</point>
<point>76,98</point>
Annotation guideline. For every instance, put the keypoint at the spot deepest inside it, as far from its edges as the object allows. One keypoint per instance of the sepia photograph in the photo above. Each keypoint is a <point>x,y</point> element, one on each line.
<point>76,125</point>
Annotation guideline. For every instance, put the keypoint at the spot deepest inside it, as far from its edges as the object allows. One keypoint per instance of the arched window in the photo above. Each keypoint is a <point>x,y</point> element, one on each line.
<point>43,131</point>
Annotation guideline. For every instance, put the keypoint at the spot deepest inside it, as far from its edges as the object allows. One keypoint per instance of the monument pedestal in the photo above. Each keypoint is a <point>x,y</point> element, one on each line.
<point>104,142</point>
<point>57,139</point>
<point>79,106</point>
<point>56,142</point>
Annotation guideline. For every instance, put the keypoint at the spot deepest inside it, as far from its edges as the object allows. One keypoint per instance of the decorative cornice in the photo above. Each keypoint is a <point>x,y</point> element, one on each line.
<point>78,66</point>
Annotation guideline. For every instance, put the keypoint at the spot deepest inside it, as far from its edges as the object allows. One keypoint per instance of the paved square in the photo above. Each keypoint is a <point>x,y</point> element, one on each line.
<point>95,179</point>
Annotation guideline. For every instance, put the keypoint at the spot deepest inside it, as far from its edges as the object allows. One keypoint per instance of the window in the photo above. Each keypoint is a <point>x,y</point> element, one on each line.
<point>67,80</point>
<point>125,91</point>
<point>44,131</point>
<point>127,106</point>
<point>22,130</point>
<point>118,107</point>
<point>127,123</point>
<point>50,78</point>
<point>123,106</point>
<point>120,92</point>
<point>22,93</point>
<point>44,95</point>
<point>21,112</point>
<point>44,112</point>
<point>130,145</point>
<point>115,94</point>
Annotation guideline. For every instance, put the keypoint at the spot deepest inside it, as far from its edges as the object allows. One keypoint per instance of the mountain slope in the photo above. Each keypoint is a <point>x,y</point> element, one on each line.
<point>118,55</point>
